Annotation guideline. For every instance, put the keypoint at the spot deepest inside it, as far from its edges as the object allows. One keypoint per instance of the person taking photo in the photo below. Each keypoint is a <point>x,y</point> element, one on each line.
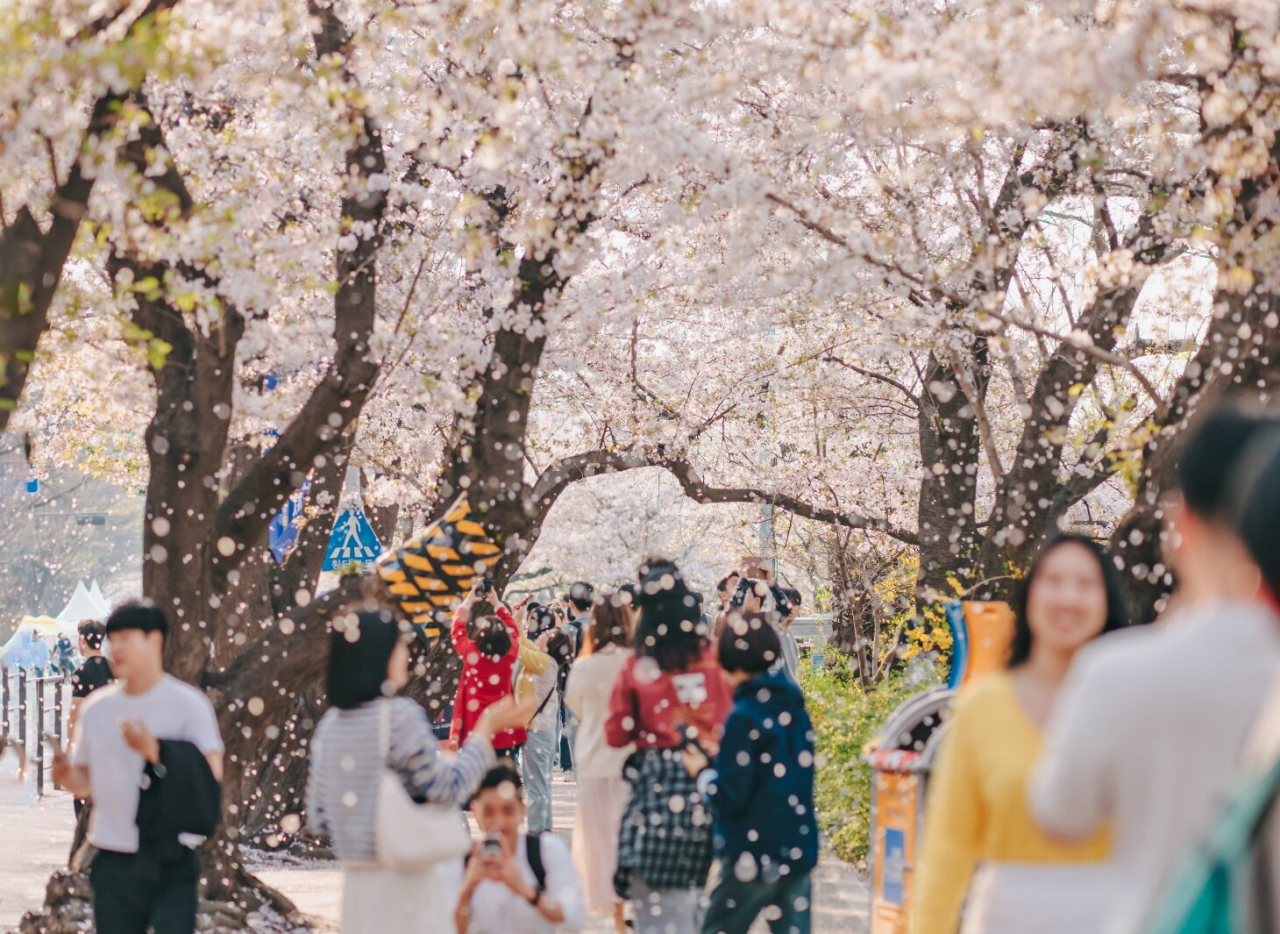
<point>513,883</point>
<point>366,731</point>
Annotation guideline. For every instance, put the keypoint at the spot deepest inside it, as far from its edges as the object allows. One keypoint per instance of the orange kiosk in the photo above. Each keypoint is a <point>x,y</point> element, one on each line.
<point>903,752</point>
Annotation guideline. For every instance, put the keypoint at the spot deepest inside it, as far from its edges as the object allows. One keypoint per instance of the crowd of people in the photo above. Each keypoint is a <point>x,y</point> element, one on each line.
<point>1083,788</point>
<point>687,737</point>
<point>686,733</point>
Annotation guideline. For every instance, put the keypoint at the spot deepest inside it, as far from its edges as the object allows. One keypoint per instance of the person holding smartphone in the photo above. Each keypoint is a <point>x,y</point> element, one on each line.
<point>489,650</point>
<point>513,883</point>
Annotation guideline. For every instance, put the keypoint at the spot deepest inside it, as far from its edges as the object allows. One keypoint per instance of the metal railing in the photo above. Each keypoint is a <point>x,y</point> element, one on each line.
<point>31,707</point>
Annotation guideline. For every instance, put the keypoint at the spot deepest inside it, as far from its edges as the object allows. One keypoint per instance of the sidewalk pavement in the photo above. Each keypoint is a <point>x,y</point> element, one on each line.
<point>37,835</point>
<point>37,840</point>
<point>841,893</point>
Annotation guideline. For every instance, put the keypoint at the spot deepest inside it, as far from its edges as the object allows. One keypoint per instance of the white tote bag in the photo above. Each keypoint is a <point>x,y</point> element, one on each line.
<point>409,835</point>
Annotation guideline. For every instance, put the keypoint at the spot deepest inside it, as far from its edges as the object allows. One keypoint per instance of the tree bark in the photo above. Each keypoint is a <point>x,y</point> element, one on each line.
<point>949,454</point>
<point>1031,497</point>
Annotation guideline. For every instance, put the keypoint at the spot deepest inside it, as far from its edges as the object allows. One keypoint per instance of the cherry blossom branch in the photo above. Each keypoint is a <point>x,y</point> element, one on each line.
<point>32,260</point>
<point>337,401</point>
<point>1082,344</point>
<point>879,377</point>
<point>577,467</point>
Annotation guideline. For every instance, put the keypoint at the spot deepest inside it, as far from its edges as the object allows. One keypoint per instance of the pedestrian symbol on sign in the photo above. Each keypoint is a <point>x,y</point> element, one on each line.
<point>352,542</point>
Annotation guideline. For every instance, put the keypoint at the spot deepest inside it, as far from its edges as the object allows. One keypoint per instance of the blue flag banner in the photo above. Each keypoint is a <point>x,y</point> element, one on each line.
<point>352,541</point>
<point>283,534</point>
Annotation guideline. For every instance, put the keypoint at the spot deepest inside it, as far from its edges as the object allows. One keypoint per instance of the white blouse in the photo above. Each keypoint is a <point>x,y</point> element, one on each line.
<point>587,694</point>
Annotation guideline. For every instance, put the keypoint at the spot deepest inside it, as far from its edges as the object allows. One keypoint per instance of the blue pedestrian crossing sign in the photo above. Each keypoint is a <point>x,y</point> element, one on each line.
<point>352,542</point>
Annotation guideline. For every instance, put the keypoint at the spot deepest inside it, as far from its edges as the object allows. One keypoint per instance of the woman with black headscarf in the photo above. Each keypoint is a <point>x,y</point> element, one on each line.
<point>367,730</point>
<point>672,692</point>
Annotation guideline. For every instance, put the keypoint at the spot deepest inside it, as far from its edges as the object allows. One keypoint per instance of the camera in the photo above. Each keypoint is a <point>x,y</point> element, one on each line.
<point>745,586</point>
<point>492,846</point>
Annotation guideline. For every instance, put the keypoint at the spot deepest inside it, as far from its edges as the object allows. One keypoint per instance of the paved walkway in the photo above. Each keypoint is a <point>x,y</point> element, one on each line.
<point>841,893</point>
<point>37,835</point>
<point>37,840</point>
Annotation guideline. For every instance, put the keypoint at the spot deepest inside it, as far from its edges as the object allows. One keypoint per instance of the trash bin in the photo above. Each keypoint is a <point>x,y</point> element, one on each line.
<point>901,757</point>
<point>903,752</point>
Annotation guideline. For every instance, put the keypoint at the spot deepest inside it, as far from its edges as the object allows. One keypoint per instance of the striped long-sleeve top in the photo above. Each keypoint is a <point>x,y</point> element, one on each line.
<point>342,784</point>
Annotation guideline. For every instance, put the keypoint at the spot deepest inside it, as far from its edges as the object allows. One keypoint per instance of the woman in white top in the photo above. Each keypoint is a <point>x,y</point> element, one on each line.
<point>602,791</point>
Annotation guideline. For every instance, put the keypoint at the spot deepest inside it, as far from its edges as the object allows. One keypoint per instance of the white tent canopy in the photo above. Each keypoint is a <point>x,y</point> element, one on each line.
<point>83,606</point>
<point>96,593</point>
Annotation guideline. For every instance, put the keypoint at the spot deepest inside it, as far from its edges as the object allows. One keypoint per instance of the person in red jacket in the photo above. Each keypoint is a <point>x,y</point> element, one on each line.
<point>488,664</point>
<point>670,694</point>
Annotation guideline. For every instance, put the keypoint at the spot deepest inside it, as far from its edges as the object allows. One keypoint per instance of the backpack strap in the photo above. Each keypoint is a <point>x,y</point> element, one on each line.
<point>533,853</point>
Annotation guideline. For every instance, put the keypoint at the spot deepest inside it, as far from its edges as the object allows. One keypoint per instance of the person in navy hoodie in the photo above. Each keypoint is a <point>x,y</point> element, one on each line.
<point>761,790</point>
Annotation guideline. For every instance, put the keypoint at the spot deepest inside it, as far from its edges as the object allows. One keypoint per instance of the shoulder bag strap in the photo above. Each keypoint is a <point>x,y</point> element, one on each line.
<point>546,700</point>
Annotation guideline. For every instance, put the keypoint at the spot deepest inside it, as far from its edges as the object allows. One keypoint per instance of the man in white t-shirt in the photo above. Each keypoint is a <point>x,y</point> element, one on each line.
<point>1149,727</point>
<point>513,883</point>
<point>115,753</point>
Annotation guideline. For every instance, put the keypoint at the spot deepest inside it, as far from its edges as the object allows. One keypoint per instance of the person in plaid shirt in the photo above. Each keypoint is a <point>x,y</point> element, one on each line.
<point>670,694</point>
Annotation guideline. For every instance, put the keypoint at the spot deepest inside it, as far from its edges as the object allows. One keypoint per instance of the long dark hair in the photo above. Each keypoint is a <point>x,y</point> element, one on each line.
<point>561,648</point>
<point>1117,600</point>
<point>359,648</point>
<point>670,630</point>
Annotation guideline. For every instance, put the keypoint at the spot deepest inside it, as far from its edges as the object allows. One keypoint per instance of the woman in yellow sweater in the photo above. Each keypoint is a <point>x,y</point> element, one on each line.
<point>982,851</point>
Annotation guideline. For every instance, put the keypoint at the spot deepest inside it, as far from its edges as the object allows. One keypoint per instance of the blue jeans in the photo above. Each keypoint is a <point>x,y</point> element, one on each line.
<point>735,904</point>
<point>535,767</point>
<point>568,733</point>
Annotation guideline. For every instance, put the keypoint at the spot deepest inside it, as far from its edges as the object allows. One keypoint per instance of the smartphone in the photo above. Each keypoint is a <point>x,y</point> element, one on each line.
<point>486,585</point>
<point>492,846</point>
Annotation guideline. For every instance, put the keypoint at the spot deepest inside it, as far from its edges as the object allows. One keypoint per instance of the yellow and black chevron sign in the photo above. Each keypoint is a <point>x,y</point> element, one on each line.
<point>435,569</point>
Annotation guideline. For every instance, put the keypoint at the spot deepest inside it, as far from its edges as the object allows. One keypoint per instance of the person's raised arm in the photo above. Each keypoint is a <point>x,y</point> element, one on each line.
<point>462,643</point>
<point>512,629</point>
<point>532,659</point>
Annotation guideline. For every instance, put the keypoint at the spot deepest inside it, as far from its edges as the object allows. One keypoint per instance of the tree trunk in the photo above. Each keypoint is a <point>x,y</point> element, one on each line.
<point>949,451</point>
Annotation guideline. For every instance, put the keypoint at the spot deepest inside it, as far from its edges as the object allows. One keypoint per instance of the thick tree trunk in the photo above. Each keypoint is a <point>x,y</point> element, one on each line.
<point>1240,354</point>
<point>1224,367</point>
<point>950,451</point>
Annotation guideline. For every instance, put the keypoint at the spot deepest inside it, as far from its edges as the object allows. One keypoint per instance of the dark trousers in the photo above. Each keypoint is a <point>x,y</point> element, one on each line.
<point>125,904</point>
<point>735,904</point>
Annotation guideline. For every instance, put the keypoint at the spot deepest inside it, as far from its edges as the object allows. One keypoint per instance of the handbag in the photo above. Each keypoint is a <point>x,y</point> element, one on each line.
<point>408,835</point>
<point>1226,879</point>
